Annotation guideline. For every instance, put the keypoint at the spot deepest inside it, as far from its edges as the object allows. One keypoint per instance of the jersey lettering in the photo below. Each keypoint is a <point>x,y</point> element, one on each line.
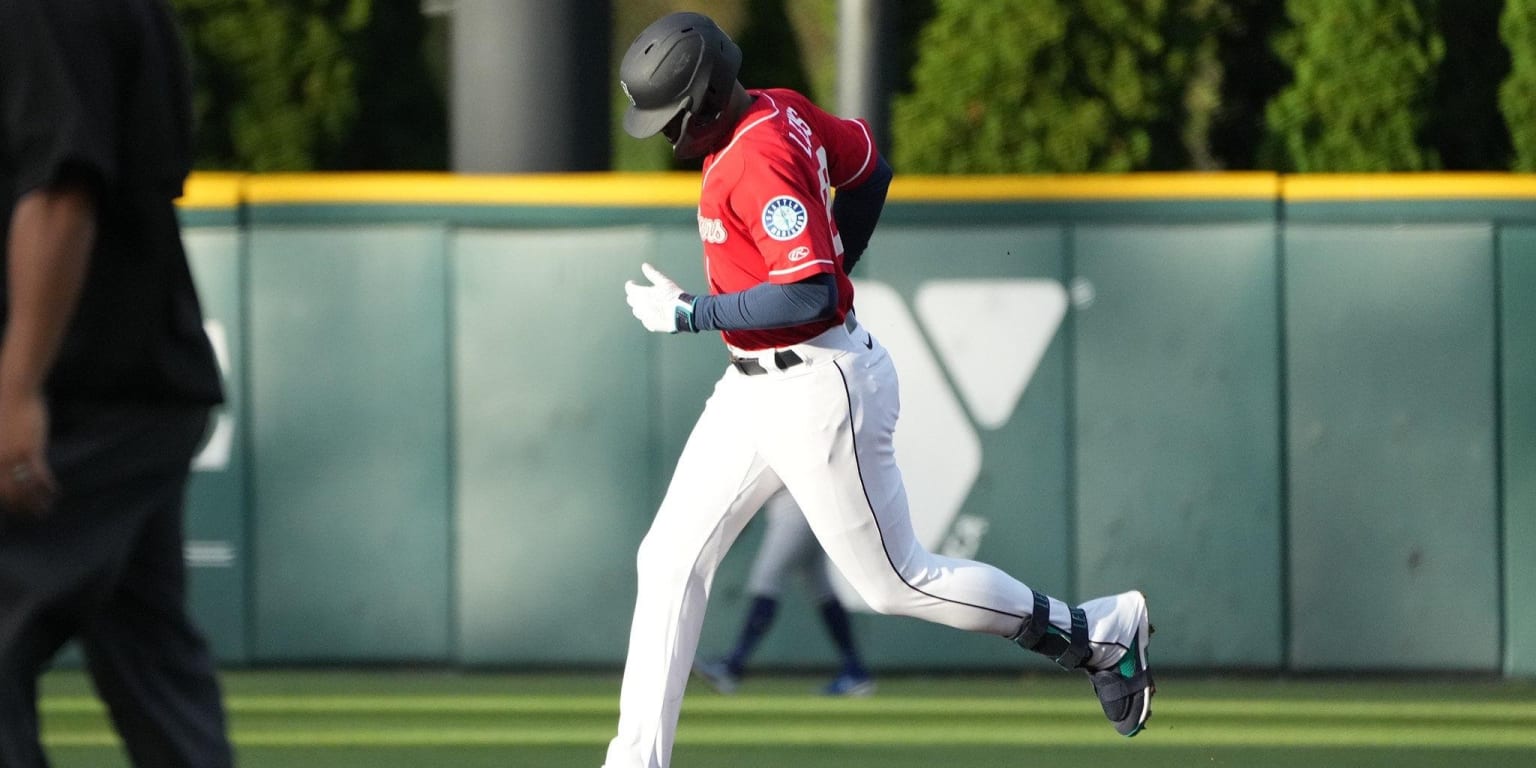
<point>825,178</point>
<point>802,135</point>
<point>802,132</point>
<point>711,230</point>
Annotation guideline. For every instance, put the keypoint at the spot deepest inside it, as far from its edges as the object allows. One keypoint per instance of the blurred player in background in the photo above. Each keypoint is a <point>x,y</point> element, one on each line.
<point>106,376</point>
<point>788,543</point>
<point>810,399</point>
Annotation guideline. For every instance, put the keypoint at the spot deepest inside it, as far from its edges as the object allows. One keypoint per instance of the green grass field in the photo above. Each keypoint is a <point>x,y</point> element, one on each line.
<point>420,719</point>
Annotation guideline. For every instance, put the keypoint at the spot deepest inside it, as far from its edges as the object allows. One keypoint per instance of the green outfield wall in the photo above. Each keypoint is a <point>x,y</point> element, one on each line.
<point>1296,411</point>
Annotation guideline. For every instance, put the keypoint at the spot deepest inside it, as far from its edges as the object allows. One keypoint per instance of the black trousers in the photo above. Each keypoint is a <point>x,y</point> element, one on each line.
<point>107,568</point>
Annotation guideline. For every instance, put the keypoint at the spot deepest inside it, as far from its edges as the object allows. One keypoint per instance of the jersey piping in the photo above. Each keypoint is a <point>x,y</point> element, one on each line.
<point>869,152</point>
<point>858,464</point>
<point>799,267</point>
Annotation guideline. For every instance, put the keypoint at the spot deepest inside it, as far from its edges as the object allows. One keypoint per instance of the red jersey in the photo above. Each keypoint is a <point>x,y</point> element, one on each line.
<point>765,209</point>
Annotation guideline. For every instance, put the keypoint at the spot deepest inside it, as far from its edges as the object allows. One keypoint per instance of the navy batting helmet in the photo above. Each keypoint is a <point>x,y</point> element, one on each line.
<point>679,75</point>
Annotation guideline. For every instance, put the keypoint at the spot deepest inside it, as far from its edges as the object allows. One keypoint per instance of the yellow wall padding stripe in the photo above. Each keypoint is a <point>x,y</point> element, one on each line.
<point>1110,187</point>
<point>674,189</point>
<point>212,190</point>
<point>682,188</point>
<point>1407,186</point>
<point>564,189</point>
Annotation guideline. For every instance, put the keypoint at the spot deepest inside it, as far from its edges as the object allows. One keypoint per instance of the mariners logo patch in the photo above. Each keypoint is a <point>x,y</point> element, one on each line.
<point>784,217</point>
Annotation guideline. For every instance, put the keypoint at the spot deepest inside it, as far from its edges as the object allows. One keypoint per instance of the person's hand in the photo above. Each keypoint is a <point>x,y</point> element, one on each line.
<point>27,487</point>
<point>662,306</point>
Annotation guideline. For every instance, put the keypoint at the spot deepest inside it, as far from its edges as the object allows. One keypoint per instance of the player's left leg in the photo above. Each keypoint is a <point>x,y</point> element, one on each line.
<point>855,501</point>
<point>837,457</point>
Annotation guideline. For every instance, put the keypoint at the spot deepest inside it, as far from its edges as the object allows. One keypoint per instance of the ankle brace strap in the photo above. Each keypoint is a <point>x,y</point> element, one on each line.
<point>1069,649</point>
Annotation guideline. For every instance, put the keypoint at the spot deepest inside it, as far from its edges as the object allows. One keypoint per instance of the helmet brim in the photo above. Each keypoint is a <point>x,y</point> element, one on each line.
<point>645,123</point>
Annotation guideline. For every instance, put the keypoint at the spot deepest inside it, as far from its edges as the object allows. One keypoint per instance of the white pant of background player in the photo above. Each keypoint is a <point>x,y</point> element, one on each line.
<point>788,545</point>
<point>823,429</point>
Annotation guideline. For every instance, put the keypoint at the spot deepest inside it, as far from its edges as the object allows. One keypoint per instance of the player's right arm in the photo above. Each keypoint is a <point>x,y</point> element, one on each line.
<point>768,305</point>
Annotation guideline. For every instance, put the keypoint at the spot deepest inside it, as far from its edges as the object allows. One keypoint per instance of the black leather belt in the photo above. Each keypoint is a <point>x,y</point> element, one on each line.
<point>783,359</point>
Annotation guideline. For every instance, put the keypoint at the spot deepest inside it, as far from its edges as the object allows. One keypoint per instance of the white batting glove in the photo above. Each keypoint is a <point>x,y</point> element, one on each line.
<point>662,307</point>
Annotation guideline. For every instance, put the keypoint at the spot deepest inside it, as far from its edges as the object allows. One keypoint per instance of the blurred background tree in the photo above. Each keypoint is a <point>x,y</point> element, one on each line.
<point>1517,95</point>
<point>1059,86</point>
<point>1365,72</point>
<point>313,84</point>
<point>981,86</point>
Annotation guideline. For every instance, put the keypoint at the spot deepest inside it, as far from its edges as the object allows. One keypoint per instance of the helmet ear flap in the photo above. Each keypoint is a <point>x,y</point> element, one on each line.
<point>703,133</point>
<point>673,130</point>
<point>710,107</point>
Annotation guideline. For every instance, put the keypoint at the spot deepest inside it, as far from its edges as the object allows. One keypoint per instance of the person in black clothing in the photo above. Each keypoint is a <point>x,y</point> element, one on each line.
<point>106,376</point>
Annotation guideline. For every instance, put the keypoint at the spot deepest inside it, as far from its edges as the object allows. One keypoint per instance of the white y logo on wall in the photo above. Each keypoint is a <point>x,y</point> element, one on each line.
<point>990,336</point>
<point>214,454</point>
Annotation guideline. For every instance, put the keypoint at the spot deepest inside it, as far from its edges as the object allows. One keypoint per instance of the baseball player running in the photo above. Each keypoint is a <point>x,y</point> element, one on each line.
<point>809,401</point>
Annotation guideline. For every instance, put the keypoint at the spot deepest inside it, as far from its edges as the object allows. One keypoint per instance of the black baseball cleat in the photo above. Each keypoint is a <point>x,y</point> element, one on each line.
<point>1125,688</point>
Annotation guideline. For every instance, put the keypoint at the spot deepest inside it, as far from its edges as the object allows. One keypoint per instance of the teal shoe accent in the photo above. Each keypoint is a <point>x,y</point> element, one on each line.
<point>1127,666</point>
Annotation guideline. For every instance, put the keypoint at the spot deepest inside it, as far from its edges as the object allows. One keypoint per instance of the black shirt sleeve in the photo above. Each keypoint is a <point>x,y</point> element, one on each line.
<point>56,92</point>
<point>98,90</point>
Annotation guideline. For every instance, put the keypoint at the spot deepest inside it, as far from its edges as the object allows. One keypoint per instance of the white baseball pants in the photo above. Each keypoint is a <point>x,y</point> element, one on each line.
<point>823,429</point>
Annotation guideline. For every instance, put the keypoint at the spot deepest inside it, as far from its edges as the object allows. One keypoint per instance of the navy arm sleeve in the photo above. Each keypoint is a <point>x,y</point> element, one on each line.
<point>857,210</point>
<point>768,305</point>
